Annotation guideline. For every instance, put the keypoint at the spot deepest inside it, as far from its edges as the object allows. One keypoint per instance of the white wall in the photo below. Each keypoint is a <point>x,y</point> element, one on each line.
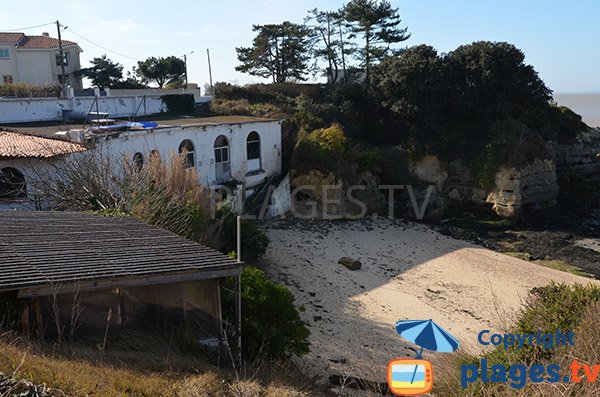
<point>9,66</point>
<point>35,67</point>
<point>167,141</point>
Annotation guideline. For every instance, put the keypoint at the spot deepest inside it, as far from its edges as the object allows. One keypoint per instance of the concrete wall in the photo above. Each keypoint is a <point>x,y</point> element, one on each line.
<point>8,66</point>
<point>19,110</point>
<point>167,140</point>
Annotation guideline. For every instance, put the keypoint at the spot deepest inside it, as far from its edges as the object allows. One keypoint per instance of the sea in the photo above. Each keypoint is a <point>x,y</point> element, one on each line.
<point>587,105</point>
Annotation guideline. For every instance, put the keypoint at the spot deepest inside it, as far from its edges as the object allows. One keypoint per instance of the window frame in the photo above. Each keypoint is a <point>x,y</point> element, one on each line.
<point>18,181</point>
<point>190,155</point>
<point>6,51</point>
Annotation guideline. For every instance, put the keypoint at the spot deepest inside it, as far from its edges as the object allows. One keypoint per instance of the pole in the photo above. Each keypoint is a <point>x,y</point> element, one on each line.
<point>238,294</point>
<point>212,92</point>
<point>186,76</point>
<point>62,57</point>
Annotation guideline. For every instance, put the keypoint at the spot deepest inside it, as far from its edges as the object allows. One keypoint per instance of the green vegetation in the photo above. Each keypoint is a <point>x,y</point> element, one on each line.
<point>169,70</point>
<point>254,242</point>
<point>271,326</point>
<point>179,104</point>
<point>550,308</point>
<point>27,90</point>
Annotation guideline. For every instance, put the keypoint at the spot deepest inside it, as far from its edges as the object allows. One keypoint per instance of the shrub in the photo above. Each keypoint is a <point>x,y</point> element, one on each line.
<point>254,242</point>
<point>271,325</point>
<point>179,103</point>
<point>331,140</point>
<point>27,90</point>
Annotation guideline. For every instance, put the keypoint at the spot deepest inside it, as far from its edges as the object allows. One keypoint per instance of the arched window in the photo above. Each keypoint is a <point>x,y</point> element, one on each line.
<point>253,151</point>
<point>12,183</point>
<point>154,157</point>
<point>223,171</point>
<point>186,148</point>
<point>138,161</point>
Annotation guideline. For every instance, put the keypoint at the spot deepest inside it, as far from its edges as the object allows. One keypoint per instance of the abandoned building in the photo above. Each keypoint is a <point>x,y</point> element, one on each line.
<point>92,272</point>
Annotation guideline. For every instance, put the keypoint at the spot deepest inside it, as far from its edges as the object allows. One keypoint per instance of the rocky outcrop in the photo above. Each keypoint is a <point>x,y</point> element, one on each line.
<point>581,158</point>
<point>534,185</point>
<point>431,170</point>
<point>325,195</point>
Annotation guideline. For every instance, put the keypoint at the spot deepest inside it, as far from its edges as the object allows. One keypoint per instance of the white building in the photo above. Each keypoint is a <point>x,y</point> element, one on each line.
<point>235,151</point>
<point>37,60</point>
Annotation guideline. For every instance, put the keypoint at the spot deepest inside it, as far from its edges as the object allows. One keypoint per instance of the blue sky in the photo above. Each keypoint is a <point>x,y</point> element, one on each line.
<point>561,39</point>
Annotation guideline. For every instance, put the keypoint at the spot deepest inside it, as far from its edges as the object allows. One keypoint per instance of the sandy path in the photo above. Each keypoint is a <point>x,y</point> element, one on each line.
<point>409,272</point>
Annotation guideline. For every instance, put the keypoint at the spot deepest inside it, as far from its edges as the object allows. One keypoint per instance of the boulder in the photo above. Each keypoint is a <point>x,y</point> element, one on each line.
<point>431,170</point>
<point>352,264</point>
<point>454,195</point>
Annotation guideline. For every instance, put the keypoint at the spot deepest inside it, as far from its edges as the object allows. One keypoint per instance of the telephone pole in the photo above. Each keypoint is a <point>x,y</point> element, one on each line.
<point>62,57</point>
<point>212,90</point>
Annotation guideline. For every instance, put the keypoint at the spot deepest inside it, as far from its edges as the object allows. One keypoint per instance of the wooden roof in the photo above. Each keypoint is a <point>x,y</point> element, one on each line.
<point>44,251</point>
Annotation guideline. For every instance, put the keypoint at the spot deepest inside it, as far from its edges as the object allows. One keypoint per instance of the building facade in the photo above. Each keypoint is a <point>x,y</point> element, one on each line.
<point>37,60</point>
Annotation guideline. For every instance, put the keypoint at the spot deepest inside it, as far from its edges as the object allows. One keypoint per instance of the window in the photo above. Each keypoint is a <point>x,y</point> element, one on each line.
<point>221,150</point>
<point>8,79</point>
<point>12,184</point>
<point>253,151</point>
<point>186,149</point>
<point>138,161</point>
<point>4,53</point>
<point>65,58</point>
<point>154,157</point>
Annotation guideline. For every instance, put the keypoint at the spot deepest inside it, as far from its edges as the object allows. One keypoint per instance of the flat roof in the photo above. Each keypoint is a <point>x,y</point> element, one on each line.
<point>46,252</point>
<point>50,128</point>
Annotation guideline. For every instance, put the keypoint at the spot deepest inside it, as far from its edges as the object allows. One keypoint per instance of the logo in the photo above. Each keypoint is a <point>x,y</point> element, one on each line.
<point>414,377</point>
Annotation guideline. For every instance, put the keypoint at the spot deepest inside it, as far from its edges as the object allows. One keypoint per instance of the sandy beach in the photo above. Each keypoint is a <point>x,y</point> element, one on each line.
<point>409,271</point>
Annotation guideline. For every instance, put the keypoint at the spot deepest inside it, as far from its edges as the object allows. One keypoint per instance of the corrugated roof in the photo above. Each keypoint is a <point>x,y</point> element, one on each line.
<point>42,249</point>
<point>43,43</point>
<point>10,38</point>
<point>14,144</point>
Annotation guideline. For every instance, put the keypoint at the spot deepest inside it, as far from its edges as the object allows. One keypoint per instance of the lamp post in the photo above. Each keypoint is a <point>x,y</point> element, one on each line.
<point>185,61</point>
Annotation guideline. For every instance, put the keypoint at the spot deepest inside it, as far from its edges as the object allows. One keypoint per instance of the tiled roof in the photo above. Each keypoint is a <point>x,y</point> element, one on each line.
<point>13,144</point>
<point>42,42</point>
<point>12,38</point>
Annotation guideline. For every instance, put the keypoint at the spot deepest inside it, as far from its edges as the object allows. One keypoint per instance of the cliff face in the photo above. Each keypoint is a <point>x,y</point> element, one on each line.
<point>581,158</point>
<point>534,185</point>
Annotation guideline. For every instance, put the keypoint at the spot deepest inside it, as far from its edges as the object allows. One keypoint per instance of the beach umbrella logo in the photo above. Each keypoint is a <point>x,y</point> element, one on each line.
<point>414,377</point>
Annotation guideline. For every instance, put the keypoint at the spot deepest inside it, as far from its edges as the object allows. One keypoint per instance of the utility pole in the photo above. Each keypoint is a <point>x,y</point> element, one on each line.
<point>212,90</point>
<point>186,77</point>
<point>62,58</point>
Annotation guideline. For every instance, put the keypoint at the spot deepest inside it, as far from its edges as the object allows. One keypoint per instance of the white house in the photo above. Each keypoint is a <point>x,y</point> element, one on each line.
<point>235,151</point>
<point>37,60</point>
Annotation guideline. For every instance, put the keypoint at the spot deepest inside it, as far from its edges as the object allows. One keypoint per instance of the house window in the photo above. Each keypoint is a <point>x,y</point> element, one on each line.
<point>4,53</point>
<point>138,161</point>
<point>8,79</point>
<point>65,59</point>
<point>12,184</point>
<point>222,168</point>
<point>186,149</point>
<point>253,151</point>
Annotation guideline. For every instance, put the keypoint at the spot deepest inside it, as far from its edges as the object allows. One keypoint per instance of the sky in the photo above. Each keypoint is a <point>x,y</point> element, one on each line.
<point>560,39</point>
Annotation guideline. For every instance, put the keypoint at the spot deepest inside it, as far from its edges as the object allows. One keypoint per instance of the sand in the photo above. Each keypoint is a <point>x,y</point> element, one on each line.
<point>409,271</point>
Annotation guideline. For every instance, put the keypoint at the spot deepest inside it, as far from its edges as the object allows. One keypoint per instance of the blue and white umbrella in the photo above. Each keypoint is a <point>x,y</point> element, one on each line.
<point>427,335</point>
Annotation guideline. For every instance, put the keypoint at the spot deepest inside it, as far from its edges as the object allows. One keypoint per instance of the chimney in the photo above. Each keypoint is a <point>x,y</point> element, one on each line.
<point>46,34</point>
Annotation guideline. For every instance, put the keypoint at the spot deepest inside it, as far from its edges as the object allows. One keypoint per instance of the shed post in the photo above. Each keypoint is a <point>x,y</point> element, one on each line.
<point>238,294</point>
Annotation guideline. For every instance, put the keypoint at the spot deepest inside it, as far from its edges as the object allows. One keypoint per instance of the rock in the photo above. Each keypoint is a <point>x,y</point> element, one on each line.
<point>352,264</point>
<point>534,185</point>
<point>455,196</point>
<point>459,178</point>
<point>431,170</point>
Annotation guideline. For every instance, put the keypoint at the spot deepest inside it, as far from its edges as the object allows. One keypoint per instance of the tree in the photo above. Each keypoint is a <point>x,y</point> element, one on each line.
<point>329,29</point>
<point>379,25</point>
<point>279,52</point>
<point>103,73</point>
<point>169,70</point>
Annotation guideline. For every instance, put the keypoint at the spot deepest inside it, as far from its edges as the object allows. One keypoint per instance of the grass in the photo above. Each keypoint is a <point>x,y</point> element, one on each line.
<point>143,365</point>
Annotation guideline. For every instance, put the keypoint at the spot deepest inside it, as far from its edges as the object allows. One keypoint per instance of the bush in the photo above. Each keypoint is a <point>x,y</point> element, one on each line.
<point>27,90</point>
<point>271,325</point>
<point>254,242</point>
<point>179,103</point>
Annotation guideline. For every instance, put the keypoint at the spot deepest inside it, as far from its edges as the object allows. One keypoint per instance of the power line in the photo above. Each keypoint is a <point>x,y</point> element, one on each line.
<point>28,27</point>
<point>98,45</point>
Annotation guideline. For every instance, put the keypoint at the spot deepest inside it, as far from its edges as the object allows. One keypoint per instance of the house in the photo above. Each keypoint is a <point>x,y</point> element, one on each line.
<point>96,273</point>
<point>23,160</point>
<point>234,154</point>
<point>37,60</point>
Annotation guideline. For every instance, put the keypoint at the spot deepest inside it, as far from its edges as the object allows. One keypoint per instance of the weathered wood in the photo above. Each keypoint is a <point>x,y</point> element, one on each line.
<point>25,319</point>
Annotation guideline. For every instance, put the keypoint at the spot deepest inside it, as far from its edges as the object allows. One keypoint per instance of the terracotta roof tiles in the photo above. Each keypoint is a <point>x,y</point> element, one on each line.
<point>15,145</point>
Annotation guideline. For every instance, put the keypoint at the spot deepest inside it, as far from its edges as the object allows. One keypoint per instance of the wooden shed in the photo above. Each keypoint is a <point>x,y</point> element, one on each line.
<point>117,272</point>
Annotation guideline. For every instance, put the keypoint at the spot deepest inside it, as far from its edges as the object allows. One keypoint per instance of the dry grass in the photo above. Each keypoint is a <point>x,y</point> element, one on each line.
<point>142,366</point>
